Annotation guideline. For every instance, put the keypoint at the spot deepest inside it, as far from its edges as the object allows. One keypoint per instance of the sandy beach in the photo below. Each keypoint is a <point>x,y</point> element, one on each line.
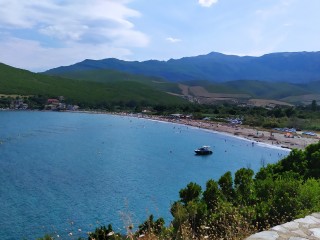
<point>271,137</point>
<point>266,136</point>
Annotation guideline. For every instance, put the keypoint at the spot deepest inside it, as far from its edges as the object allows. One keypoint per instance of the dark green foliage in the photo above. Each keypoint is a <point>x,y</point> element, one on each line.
<point>189,211</point>
<point>5,102</point>
<point>312,156</point>
<point>190,193</point>
<point>228,222</point>
<point>314,106</point>
<point>277,112</point>
<point>151,227</point>
<point>308,197</point>
<point>226,186</point>
<point>295,162</point>
<point>284,202</point>
<point>212,195</point>
<point>243,184</point>
<point>299,164</point>
<point>46,237</point>
<point>289,111</point>
<point>103,233</point>
<point>180,214</point>
<point>112,76</point>
<point>196,212</point>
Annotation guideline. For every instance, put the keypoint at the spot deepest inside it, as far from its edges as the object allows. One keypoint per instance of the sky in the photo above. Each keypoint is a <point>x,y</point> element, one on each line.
<point>42,34</point>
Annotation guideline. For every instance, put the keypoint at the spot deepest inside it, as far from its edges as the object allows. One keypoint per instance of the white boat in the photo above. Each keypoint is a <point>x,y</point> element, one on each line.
<point>204,150</point>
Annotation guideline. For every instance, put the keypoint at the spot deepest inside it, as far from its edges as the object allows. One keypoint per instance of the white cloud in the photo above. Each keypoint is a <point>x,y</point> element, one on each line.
<point>31,55</point>
<point>173,40</point>
<point>95,27</point>
<point>207,3</point>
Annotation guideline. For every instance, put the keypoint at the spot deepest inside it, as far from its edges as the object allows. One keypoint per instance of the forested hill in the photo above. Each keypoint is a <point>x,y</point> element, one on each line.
<point>293,67</point>
<point>14,81</point>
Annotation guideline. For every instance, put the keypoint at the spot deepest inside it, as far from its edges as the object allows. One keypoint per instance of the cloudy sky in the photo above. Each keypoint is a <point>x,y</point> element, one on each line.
<point>42,34</point>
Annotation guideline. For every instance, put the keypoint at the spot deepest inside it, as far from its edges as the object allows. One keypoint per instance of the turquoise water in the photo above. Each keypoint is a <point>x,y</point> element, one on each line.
<point>67,173</point>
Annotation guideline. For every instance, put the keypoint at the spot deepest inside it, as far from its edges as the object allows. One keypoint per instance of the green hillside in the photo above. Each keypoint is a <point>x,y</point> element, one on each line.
<point>22,82</point>
<point>113,76</point>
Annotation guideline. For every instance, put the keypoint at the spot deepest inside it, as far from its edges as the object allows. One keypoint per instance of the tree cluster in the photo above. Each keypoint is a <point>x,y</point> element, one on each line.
<point>234,208</point>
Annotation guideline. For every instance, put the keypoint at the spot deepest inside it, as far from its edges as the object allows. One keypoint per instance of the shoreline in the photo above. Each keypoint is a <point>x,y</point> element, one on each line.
<point>268,137</point>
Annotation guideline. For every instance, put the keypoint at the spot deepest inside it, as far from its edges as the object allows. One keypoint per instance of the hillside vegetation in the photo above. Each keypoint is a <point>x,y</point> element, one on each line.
<point>86,93</point>
<point>113,76</point>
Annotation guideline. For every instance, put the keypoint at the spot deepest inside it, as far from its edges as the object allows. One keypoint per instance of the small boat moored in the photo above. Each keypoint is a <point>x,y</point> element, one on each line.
<point>204,150</point>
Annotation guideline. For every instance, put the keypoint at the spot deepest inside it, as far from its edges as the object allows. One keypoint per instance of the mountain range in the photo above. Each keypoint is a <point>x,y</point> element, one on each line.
<point>286,77</point>
<point>291,67</point>
<point>277,78</point>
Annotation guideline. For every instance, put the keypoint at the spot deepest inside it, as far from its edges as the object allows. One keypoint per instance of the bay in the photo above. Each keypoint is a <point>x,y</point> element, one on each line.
<point>63,173</point>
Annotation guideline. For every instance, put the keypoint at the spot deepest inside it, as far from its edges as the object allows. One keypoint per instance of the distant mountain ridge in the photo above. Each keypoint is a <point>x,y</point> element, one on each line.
<point>292,67</point>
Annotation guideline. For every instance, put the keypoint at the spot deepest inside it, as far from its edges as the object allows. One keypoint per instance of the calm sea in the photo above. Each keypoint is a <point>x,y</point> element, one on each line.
<point>63,173</point>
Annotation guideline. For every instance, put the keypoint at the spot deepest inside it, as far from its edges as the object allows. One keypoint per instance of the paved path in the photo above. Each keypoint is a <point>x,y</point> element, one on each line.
<point>299,229</point>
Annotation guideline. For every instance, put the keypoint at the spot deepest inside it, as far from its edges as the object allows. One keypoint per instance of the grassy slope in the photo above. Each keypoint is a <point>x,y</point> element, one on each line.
<point>17,81</point>
<point>112,76</point>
